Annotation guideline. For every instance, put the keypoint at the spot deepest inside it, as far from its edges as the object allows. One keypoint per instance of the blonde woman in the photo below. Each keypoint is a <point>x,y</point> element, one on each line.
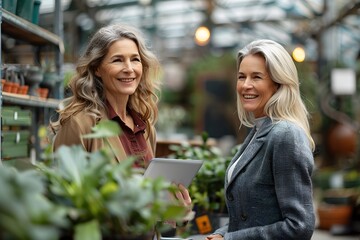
<point>268,182</point>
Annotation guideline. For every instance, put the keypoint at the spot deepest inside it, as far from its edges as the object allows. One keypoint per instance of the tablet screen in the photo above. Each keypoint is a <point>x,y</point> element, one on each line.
<point>173,170</point>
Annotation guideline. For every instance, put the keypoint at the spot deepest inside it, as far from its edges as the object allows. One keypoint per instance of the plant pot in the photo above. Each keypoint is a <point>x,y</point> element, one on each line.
<point>15,88</point>
<point>7,86</point>
<point>36,9</point>
<point>23,89</point>
<point>9,5</point>
<point>331,214</point>
<point>24,9</point>
<point>33,76</point>
<point>3,81</point>
<point>43,92</point>
<point>50,80</point>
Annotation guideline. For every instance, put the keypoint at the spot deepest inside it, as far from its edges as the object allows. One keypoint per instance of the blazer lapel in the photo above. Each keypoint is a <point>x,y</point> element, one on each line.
<point>117,148</point>
<point>243,146</point>
<point>115,144</point>
<point>248,151</point>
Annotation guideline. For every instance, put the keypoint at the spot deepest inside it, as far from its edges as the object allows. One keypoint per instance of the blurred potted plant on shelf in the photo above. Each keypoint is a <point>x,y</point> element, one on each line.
<point>207,188</point>
<point>51,77</point>
<point>170,118</point>
<point>101,199</point>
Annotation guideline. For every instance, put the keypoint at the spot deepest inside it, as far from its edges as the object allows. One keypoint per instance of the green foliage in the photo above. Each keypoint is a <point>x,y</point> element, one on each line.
<point>111,198</point>
<point>211,66</point>
<point>84,196</point>
<point>207,188</point>
<point>309,86</point>
<point>25,213</point>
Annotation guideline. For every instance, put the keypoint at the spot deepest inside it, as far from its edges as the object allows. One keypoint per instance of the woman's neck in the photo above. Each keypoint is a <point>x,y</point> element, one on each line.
<point>119,104</point>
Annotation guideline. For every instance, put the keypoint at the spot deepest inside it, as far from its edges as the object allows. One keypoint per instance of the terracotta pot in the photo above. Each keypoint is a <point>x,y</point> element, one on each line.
<point>8,86</point>
<point>15,87</point>
<point>43,92</point>
<point>342,140</point>
<point>23,89</point>
<point>2,83</point>
<point>331,214</point>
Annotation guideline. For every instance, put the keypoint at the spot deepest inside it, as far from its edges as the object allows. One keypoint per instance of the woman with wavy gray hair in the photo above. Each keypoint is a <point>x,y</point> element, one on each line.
<point>268,183</point>
<point>116,78</point>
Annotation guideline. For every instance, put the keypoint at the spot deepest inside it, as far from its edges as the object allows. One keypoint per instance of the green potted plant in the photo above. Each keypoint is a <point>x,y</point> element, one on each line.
<point>25,212</point>
<point>103,200</point>
<point>51,76</point>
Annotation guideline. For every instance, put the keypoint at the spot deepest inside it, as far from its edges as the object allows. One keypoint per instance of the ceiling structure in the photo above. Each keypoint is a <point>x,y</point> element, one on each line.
<point>328,30</point>
<point>171,24</point>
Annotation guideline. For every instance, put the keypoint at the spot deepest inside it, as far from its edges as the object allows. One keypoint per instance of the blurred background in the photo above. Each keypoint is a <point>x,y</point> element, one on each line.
<point>196,42</point>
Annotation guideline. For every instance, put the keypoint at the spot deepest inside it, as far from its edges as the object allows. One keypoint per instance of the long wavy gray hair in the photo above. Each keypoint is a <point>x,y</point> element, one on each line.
<point>87,89</point>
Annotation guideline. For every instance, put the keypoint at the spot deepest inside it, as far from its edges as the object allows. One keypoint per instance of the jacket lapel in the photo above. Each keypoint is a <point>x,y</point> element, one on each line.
<point>248,151</point>
<point>115,144</point>
<point>117,148</point>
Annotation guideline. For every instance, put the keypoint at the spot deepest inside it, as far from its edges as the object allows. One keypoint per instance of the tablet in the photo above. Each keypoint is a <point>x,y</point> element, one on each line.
<point>173,170</point>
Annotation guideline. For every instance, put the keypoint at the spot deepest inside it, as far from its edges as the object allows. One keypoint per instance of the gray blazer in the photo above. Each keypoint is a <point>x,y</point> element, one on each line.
<point>270,193</point>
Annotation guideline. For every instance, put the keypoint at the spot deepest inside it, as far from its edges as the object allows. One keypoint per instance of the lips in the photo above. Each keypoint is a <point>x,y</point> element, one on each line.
<point>249,96</point>
<point>126,79</point>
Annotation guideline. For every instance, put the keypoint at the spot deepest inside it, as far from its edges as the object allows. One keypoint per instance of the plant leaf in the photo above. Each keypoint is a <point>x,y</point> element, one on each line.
<point>72,162</point>
<point>105,128</point>
<point>89,231</point>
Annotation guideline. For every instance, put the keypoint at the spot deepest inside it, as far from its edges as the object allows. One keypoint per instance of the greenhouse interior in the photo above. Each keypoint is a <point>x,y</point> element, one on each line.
<point>74,193</point>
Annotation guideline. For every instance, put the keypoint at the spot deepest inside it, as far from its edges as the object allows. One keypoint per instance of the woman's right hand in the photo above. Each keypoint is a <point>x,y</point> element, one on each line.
<point>214,237</point>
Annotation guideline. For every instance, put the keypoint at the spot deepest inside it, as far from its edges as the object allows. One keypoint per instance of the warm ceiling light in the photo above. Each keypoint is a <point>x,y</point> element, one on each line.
<point>202,36</point>
<point>298,54</point>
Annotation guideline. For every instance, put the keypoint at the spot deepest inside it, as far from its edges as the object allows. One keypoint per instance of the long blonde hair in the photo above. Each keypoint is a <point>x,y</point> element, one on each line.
<point>88,91</point>
<point>286,103</point>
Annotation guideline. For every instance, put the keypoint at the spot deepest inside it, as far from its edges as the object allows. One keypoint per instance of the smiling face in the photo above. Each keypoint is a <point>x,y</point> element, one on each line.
<point>254,85</point>
<point>121,69</point>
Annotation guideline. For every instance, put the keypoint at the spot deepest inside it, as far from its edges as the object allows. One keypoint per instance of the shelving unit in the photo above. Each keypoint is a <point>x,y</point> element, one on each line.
<point>19,28</point>
<point>31,101</point>
<point>29,33</point>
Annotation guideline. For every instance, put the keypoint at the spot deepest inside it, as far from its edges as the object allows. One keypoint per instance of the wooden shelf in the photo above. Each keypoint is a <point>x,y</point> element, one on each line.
<point>27,33</point>
<point>19,28</point>
<point>32,101</point>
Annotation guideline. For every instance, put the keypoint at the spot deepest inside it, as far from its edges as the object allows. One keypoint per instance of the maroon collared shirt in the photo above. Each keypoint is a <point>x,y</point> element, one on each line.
<point>133,141</point>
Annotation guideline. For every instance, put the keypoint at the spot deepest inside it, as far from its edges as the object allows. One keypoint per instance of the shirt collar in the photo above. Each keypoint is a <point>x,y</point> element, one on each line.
<point>259,122</point>
<point>138,121</point>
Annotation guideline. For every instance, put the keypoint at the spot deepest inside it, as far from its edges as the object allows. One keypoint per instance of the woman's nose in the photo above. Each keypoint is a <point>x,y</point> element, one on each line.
<point>128,66</point>
<point>248,83</point>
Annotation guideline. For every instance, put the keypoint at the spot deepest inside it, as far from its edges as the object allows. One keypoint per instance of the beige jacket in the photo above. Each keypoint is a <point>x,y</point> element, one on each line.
<point>80,124</point>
